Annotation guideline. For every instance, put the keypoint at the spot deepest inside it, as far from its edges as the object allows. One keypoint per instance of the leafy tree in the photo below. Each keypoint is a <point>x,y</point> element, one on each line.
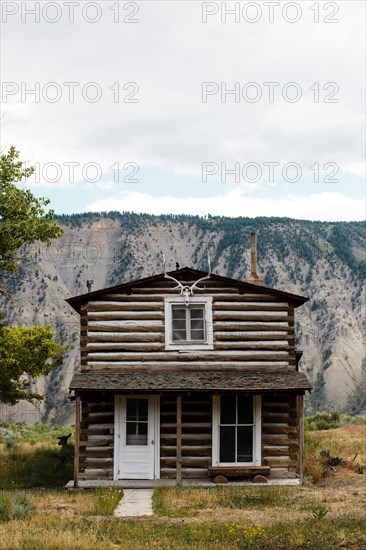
<point>23,217</point>
<point>24,352</point>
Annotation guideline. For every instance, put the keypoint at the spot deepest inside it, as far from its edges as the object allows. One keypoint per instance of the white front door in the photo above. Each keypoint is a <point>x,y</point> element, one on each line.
<point>135,436</point>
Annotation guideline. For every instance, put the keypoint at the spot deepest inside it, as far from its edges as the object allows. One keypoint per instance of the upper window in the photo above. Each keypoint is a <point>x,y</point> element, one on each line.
<point>188,326</point>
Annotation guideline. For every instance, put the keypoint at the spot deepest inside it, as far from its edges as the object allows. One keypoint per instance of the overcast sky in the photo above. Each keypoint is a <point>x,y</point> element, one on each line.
<point>179,107</point>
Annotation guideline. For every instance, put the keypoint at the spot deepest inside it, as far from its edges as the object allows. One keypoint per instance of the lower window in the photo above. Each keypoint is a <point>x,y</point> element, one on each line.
<point>236,429</point>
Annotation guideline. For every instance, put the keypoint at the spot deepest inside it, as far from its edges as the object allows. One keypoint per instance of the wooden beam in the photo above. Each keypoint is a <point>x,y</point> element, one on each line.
<point>77,441</point>
<point>300,421</point>
<point>179,441</point>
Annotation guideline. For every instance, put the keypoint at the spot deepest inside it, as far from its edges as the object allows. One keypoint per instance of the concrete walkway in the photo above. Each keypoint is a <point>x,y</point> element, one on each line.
<point>135,502</point>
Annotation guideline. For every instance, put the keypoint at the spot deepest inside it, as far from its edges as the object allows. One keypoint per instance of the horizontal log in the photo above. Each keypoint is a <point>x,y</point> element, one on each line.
<point>249,366</point>
<point>141,347</point>
<point>87,421</point>
<point>130,306</point>
<point>232,316</point>
<point>165,289</point>
<point>130,326</point>
<point>97,472</point>
<point>135,337</point>
<point>268,451</point>
<point>101,462</point>
<point>243,306</point>
<point>244,346</point>
<point>217,294</point>
<point>100,453</point>
<point>187,439</point>
<point>268,439</point>
<point>277,429</point>
<point>186,426</point>
<point>101,442</point>
<point>125,315</point>
<point>187,462</point>
<point>238,336</point>
<point>261,328</point>
<point>249,338</point>
<point>251,355</point>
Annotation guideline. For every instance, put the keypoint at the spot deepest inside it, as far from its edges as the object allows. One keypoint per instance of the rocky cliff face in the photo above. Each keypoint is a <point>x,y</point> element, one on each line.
<point>325,261</point>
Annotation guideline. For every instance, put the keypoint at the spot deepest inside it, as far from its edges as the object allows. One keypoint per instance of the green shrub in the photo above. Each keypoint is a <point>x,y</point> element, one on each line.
<point>11,442</point>
<point>331,420</point>
<point>5,506</point>
<point>15,505</point>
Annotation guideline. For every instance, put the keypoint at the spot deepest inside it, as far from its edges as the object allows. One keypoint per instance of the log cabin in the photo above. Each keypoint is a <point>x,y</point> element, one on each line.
<point>188,374</point>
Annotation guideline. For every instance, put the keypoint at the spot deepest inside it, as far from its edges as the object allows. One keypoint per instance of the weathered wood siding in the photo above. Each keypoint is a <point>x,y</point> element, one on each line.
<point>96,437</point>
<point>196,435</point>
<point>253,331</point>
<point>280,443</point>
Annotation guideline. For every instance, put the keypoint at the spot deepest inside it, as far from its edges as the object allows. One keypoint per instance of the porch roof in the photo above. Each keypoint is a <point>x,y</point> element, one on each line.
<point>191,381</point>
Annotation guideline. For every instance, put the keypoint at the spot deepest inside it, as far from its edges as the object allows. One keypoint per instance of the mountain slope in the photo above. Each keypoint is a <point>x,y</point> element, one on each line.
<point>325,261</point>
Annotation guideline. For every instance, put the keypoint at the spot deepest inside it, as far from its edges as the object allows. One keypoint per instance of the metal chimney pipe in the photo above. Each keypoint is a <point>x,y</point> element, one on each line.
<point>254,278</point>
<point>89,284</point>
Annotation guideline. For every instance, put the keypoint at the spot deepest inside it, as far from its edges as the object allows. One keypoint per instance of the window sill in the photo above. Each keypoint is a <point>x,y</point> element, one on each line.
<point>187,348</point>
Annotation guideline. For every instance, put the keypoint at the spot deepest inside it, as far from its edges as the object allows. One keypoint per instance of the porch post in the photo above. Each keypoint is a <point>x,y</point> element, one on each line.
<point>77,441</point>
<point>300,424</point>
<point>179,441</point>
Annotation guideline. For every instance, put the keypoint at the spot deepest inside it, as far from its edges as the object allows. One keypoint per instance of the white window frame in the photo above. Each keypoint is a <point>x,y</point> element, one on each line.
<point>257,433</point>
<point>206,302</point>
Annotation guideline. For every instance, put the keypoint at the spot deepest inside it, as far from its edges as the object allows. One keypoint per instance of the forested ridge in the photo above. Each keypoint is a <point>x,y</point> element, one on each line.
<point>323,260</point>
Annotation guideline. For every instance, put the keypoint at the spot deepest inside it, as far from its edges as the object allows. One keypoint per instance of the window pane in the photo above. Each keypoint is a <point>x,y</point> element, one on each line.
<point>142,409</point>
<point>179,335</point>
<point>245,409</point>
<point>227,444</point>
<point>227,409</point>
<point>136,409</point>
<point>197,324</point>
<point>131,413</point>
<point>196,313</point>
<point>179,313</point>
<point>245,444</point>
<point>136,421</point>
<point>197,334</point>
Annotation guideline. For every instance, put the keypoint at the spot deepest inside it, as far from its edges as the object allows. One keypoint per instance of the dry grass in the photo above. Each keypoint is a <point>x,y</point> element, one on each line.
<point>330,514</point>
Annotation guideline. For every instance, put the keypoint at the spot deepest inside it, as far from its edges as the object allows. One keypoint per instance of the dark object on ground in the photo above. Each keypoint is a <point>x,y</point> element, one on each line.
<point>65,452</point>
<point>330,460</point>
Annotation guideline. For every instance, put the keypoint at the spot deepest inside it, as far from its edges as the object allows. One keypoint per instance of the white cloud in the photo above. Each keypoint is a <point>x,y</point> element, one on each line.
<point>320,206</point>
<point>169,53</point>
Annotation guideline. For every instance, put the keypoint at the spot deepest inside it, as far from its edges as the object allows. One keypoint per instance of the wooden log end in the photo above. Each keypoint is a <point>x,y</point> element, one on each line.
<point>220,479</point>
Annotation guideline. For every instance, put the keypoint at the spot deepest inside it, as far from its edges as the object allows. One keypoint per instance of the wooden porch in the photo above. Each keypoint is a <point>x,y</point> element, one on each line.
<point>152,484</point>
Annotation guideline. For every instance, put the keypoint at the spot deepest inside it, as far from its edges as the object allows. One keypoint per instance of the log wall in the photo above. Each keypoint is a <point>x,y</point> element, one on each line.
<point>253,331</point>
<point>196,435</point>
<point>96,437</point>
<point>280,445</point>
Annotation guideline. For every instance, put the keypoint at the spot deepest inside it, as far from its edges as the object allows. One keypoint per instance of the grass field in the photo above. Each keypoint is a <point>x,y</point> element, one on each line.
<point>327,512</point>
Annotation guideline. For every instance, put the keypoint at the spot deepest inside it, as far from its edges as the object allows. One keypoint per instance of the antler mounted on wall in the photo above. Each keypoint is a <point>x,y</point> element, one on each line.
<point>187,290</point>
